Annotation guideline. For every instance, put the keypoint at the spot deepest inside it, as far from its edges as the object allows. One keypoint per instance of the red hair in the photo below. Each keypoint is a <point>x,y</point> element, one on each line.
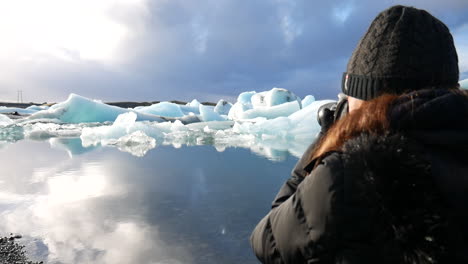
<point>370,118</point>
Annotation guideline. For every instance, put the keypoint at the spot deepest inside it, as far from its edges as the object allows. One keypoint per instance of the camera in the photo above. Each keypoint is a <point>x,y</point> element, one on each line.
<point>329,113</point>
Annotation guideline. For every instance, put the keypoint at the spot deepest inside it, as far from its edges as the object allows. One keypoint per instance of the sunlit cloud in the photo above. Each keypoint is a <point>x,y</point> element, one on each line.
<point>68,30</point>
<point>174,49</point>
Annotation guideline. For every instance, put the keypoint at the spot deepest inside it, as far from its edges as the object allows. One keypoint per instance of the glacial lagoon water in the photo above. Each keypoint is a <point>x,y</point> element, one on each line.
<point>193,204</point>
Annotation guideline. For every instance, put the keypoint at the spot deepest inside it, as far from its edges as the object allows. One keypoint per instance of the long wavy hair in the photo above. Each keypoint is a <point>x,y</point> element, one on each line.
<point>370,118</point>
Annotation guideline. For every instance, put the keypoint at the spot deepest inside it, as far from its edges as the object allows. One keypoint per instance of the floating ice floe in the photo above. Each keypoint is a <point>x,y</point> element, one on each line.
<point>271,104</point>
<point>78,109</point>
<point>274,124</point>
<point>307,100</point>
<point>166,109</point>
<point>5,121</point>
<point>17,110</point>
<point>222,107</point>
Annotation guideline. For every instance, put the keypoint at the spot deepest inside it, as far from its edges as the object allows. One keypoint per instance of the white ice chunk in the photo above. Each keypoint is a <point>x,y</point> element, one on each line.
<point>270,104</point>
<point>284,109</point>
<point>213,125</point>
<point>207,113</point>
<point>37,107</point>
<point>464,84</point>
<point>271,124</point>
<point>78,109</point>
<point>245,97</point>
<point>193,103</point>
<point>191,108</point>
<point>223,107</point>
<point>136,143</point>
<point>165,109</point>
<point>46,130</point>
<point>275,96</point>
<point>259,100</point>
<point>237,110</point>
<point>5,120</point>
<point>272,137</point>
<point>125,124</point>
<point>22,111</point>
<point>305,121</point>
<point>102,134</point>
<point>307,100</point>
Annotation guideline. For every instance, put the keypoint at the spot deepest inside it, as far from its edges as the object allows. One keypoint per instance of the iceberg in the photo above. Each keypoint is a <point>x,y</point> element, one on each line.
<point>78,109</point>
<point>165,109</point>
<point>272,123</point>
<point>223,107</point>
<point>18,110</point>
<point>275,96</point>
<point>191,108</point>
<point>270,104</point>
<point>124,124</point>
<point>208,113</point>
<point>194,103</point>
<point>136,143</point>
<point>37,107</point>
<point>273,138</point>
<point>5,121</point>
<point>308,100</point>
<point>271,112</point>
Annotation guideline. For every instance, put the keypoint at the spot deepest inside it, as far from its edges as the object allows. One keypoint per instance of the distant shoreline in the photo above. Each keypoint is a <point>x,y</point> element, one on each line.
<point>119,104</point>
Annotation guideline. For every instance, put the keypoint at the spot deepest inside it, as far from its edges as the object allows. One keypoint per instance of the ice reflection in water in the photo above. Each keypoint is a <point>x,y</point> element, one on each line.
<point>187,205</point>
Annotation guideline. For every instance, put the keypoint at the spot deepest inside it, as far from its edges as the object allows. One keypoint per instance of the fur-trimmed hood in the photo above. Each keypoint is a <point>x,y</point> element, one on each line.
<point>415,177</point>
<point>438,121</point>
<point>390,178</point>
<point>437,118</point>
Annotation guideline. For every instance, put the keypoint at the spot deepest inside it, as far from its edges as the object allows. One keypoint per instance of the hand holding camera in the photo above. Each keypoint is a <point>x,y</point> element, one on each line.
<point>329,113</point>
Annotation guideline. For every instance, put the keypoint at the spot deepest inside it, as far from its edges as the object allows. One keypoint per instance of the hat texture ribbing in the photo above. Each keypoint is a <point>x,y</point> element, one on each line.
<point>404,49</point>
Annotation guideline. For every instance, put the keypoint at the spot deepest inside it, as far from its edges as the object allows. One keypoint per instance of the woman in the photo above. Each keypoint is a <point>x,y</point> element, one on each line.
<point>388,183</point>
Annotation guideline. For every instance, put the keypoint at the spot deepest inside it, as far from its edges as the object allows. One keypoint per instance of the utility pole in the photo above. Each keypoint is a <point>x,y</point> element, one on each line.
<point>19,97</point>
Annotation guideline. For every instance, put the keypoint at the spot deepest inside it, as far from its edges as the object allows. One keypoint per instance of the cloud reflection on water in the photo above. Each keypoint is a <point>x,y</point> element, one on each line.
<point>188,205</point>
<point>71,212</point>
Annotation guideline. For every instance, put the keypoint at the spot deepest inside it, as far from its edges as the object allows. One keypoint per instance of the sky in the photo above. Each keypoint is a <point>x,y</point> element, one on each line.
<point>147,50</point>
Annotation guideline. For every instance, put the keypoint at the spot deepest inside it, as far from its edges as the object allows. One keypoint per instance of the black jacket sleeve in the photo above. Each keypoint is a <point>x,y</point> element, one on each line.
<point>302,229</point>
<point>297,175</point>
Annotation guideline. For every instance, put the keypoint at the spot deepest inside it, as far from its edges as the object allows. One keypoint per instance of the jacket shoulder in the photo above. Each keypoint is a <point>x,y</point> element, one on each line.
<point>302,227</point>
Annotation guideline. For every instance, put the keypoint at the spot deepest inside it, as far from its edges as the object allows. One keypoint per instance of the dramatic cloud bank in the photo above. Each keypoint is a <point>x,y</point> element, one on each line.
<point>210,49</point>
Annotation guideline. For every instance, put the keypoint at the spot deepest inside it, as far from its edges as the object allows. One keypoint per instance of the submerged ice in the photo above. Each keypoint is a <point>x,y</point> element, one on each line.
<point>271,123</point>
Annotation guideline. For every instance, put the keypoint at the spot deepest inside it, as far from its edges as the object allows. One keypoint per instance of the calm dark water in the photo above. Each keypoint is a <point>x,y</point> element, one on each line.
<point>186,205</point>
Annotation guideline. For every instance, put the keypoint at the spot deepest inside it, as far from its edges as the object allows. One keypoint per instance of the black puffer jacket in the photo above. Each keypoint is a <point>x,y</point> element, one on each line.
<point>401,197</point>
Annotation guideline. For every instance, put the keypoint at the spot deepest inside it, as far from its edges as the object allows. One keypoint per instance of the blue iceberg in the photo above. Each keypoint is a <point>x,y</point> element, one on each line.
<point>270,123</point>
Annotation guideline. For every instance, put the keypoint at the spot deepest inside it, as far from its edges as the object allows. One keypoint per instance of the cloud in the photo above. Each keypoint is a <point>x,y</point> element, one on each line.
<point>161,50</point>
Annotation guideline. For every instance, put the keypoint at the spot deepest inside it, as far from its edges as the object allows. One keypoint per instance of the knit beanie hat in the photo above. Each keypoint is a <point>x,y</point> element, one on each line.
<point>404,49</point>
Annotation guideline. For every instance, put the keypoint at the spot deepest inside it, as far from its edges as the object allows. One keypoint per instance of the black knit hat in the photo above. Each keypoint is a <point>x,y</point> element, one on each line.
<point>404,49</point>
